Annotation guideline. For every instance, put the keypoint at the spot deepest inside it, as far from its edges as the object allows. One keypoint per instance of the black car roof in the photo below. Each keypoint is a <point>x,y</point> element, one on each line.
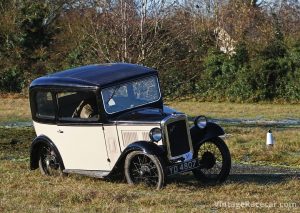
<point>96,75</point>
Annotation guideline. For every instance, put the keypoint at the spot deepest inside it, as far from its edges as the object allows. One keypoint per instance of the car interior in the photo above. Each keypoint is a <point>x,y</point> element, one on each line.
<point>77,105</point>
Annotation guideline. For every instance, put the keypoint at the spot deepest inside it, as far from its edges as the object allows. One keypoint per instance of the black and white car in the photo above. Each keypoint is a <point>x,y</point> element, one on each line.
<point>109,121</point>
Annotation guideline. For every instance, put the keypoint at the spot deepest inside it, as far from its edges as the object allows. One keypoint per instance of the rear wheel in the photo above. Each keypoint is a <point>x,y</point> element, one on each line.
<point>142,168</point>
<point>48,162</point>
<point>214,159</point>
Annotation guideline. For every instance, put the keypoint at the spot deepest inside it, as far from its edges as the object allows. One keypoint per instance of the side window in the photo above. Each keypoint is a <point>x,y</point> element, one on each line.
<point>44,105</point>
<point>77,106</point>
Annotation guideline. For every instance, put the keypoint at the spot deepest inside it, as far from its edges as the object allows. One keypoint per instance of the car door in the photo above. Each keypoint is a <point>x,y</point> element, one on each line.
<point>80,137</point>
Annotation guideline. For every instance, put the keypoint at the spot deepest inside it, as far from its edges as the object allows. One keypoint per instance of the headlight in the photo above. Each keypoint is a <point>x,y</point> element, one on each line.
<point>200,122</point>
<point>155,134</point>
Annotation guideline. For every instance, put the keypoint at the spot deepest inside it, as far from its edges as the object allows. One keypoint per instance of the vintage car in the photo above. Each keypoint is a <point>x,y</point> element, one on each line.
<point>109,121</point>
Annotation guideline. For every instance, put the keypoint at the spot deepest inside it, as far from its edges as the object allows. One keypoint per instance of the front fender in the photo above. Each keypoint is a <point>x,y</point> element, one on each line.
<point>211,130</point>
<point>34,151</point>
<point>144,146</point>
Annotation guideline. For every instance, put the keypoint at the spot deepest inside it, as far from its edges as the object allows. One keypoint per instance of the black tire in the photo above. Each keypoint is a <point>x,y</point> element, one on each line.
<point>142,168</point>
<point>215,161</point>
<point>48,162</point>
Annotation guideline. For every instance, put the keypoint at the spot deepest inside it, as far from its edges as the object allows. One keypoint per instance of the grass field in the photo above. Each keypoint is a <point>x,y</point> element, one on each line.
<point>22,190</point>
<point>14,109</point>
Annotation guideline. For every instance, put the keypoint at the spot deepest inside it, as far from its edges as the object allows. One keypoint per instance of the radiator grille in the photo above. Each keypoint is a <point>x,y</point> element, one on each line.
<point>178,138</point>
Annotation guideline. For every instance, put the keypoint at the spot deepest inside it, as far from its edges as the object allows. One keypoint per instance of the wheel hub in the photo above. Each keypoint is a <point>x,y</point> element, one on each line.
<point>208,160</point>
<point>50,162</point>
<point>47,161</point>
<point>144,170</point>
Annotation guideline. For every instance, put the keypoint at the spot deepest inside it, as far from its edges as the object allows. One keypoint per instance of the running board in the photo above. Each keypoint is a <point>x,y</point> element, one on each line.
<point>90,173</point>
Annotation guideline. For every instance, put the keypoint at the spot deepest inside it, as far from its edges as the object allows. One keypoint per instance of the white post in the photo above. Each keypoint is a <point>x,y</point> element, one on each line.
<point>270,140</point>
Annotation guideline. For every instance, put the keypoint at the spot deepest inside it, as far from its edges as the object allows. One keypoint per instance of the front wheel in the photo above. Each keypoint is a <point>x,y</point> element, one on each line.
<point>142,168</point>
<point>214,159</point>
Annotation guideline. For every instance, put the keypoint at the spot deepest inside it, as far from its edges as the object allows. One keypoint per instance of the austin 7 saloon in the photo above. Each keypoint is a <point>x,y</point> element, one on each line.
<point>109,121</point>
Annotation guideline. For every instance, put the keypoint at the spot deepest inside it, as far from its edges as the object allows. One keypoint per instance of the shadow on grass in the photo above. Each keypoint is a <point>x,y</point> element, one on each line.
<point>188,180</point>
<point>262,178</point>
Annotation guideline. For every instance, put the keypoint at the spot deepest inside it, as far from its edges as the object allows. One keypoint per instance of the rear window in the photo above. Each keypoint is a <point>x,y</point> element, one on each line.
<point>44,105</point>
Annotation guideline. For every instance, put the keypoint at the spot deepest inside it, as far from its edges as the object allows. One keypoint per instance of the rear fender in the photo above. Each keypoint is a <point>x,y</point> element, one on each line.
<point>34,151</point>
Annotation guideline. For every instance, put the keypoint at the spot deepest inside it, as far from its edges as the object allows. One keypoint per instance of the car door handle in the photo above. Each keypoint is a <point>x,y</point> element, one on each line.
<point>60,131</point>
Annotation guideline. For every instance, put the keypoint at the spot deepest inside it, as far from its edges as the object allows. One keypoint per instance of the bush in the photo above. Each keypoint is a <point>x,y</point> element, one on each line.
<point>291,91</point>
<point>44,36</point>
<point>220,71</point>
<point>242,89</point>
<point>11,80</point>
<point>271,75</point>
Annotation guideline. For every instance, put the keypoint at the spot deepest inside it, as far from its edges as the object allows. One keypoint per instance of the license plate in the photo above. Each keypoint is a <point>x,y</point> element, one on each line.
<point>183,167</point>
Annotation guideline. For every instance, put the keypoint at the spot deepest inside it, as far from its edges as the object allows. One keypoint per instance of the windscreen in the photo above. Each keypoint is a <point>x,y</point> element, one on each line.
<point>131,94</point>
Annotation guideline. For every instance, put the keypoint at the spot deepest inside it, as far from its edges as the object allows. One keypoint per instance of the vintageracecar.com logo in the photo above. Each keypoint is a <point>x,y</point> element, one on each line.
<point>248,204</point>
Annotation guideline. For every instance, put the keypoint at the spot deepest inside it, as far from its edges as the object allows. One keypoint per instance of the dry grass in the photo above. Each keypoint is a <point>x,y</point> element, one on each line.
<point>17,109</point>
<point>249,145</point>
<point>235,110</point>
<point>22,190</point>
<point>14,109</point>
<point>27,191</point>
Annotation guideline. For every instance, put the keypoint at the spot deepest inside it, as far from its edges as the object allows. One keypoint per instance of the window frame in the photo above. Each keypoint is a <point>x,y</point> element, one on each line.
<point>43,117</point>
<point>33,105</point>
<point>70,120</point>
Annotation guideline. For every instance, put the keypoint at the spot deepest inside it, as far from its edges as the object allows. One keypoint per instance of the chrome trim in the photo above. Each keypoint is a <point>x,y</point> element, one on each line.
<point>136,122</point>
<point>165,136</point>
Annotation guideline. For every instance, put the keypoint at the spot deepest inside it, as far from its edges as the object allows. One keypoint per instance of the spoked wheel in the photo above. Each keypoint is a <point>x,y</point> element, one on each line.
<point>214,159</point>
<point>142,168</point>
<point>48,162</point>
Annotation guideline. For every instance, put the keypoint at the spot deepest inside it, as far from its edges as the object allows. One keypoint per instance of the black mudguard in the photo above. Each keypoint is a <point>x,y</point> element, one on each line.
<point>144,146</point>
<point>210,131</point>
<point>34,151</point>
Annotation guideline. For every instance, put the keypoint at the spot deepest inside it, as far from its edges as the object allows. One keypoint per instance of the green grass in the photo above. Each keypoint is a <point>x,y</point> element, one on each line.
<point>22,190</point>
